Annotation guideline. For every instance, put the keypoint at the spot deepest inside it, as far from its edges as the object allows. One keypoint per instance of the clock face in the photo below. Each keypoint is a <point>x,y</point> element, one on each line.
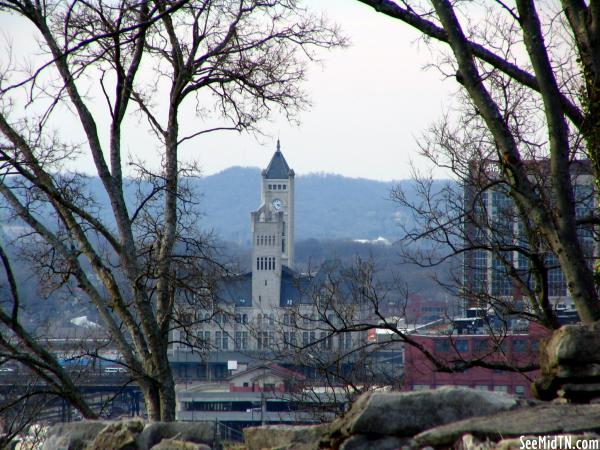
<point>277,204</point>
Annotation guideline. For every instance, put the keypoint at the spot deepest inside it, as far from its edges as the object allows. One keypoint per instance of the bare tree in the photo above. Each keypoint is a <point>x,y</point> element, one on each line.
<point>484,62</point>
<point>233,61</point>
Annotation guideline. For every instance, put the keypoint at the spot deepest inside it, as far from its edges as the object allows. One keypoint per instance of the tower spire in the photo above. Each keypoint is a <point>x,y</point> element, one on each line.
<point>278,145</point>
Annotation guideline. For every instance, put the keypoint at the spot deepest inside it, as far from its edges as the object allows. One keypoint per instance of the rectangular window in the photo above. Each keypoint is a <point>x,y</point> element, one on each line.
<point>519,390</point>
<point>305,338</point>
<point>442,345</point>
<point>461,345</point>
<point>482,346</point>
<point>286,319</point>
<point>348,341</point>
<point>244,340</point>
<point>225,341</point>
<point>238,340</point>
<point>284,187</point>
<point>519,346</point>
<point>218,339</point>
<point>244,318</point>
<point>257,264</point>
<point>322,340</point>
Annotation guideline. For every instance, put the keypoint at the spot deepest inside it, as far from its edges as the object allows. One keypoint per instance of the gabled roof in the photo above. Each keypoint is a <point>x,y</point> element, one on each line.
<point>278,168</point>
<point>236,289</point>
<point>270,369</point>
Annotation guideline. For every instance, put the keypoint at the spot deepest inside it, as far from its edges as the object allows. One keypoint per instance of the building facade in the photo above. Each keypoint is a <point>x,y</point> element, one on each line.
<point>272,227</point>
<point>497,266</point>
<point>273,311</point>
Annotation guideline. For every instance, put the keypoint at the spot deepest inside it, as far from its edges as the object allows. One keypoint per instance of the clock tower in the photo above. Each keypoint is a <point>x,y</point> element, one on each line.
<point>273,232</point>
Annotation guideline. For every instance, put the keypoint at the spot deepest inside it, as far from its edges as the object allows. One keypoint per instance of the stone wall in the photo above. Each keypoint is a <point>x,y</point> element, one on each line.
<point>444,418</point>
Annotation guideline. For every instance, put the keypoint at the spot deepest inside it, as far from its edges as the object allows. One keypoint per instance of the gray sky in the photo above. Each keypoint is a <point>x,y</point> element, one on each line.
<point>371,102</point>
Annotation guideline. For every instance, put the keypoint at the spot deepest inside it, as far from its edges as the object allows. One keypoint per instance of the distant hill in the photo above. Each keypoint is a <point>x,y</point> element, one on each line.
<point>327,206</point>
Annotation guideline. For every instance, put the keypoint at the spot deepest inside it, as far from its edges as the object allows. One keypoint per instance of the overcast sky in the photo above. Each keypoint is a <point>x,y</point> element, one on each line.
<point>371,102</point>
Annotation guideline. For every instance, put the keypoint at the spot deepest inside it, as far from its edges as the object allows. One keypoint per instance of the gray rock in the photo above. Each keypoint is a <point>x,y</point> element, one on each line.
<point>195,432</point>
<point>118,436</point>
<point>284,437</point>
<point>540,420</point>
<point>579,344</point>
<point>73,435</point>
<point>362,442</point>
<point>175,444</point>
<point>408,413</point>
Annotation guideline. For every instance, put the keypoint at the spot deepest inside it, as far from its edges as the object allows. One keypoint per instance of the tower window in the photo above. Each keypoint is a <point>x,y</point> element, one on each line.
<point>284,187</point>
<point>270,186</point>
<point>283,246</point>
<point>265,282</point>
<point>257,263</point>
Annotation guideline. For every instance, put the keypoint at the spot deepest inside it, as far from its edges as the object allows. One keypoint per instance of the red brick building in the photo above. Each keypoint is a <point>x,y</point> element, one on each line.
<point>514,350</point>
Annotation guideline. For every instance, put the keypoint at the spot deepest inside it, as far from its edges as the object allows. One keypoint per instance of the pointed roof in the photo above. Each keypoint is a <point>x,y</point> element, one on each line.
<point>278,168</point>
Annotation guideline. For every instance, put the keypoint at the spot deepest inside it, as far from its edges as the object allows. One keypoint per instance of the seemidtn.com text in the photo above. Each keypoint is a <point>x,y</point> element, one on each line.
<point>560,441</point>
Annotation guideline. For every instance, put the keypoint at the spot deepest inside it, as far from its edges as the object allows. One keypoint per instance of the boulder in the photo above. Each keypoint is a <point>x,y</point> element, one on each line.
<point>118,436</point>
<point>574,344</point>
<point>175,444</point>
<point>362,442</point>
<point>73,435</point>
<point>284,437</point>
<point>571,356</point>
<point>194,432</point>
<point>405,414</point>
<point>540,420</point>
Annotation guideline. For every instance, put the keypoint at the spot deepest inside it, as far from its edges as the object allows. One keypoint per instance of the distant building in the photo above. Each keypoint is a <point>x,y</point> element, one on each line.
<point>514,348</point>
<point>260,394</point>
<point>491,221</point>
<point>272,311</point>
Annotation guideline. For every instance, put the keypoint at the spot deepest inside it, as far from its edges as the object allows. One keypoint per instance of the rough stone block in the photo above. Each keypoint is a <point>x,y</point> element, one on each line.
<point>408,413</point>
<point>284,437</point>
<point>175,444</point>
<point>195,432</point>
<point>362,442</point>
<point>73,435</point>
<point>118,436</point>
<point>540,420</point>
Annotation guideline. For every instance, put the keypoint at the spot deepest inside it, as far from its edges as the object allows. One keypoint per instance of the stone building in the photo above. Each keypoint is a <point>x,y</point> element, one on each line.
<point>272,312</point>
